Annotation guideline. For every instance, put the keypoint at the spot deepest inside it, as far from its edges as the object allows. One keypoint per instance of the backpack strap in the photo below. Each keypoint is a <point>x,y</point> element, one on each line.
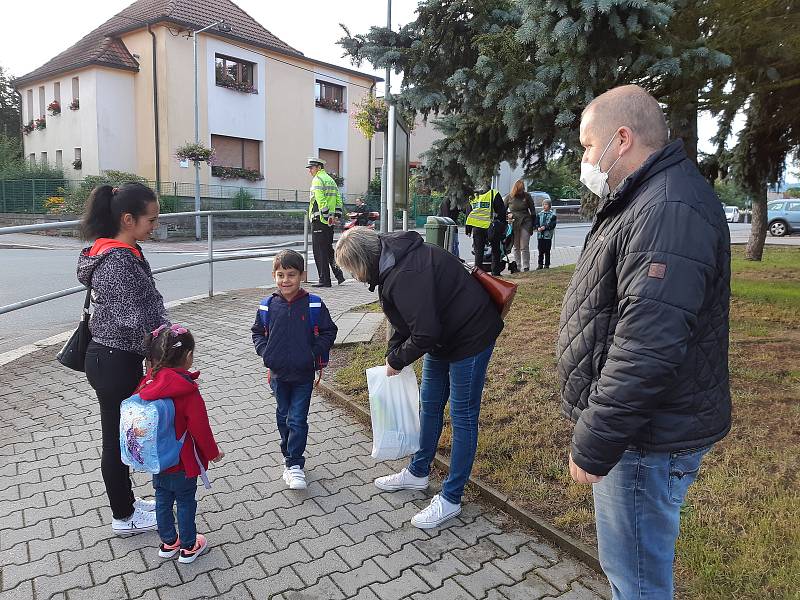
<point>314,310</point>
<point>263,313</point>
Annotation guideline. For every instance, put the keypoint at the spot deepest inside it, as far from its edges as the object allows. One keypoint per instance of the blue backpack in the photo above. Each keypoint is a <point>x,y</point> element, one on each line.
<point>314,308</point>
<point>147,436</point>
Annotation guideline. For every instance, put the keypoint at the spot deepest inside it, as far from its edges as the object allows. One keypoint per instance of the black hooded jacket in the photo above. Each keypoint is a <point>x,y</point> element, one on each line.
<point>434,304</point>
<point>643,339</point>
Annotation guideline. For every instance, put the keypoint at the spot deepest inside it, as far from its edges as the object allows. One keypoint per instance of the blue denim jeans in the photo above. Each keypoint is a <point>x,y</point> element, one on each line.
<point>293,401</point>
<point>462,382</point>
<point>176,488</point>
<point>638,509</point>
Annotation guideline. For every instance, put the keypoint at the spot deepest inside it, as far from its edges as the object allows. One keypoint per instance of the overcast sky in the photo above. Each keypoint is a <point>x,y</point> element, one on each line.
<point>311,26</point>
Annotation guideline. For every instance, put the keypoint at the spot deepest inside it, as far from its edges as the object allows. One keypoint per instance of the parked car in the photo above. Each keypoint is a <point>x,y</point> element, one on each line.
<point>783,216</point>
<point>732,214</point>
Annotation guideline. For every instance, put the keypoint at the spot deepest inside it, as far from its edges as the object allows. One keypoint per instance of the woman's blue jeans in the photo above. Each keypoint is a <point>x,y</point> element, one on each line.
<point>638,510</point>
<point>462,382</point>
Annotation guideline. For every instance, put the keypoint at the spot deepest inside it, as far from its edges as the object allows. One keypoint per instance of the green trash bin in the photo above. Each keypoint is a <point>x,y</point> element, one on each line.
<point>436,230</point>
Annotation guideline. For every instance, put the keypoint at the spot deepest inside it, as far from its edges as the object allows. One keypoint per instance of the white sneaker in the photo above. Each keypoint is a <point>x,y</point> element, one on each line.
<point>140,520</point>
<point>403,480</point>
<point>439,511</point>
<point>295,478</point>
<point>145,505</point>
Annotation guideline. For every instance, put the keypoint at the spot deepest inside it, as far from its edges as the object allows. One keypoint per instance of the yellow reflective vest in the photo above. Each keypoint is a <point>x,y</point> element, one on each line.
<point>480,215</point>
<point>325,200</point>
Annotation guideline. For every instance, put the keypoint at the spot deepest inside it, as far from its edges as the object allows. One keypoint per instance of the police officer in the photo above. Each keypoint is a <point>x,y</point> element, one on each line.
<point>484,208</point>
<point>324,211</point>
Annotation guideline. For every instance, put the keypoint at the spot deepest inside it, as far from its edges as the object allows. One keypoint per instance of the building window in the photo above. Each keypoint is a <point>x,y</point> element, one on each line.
<point>235,74</point>
<point>329,95</point>
<point>76,89</point>
<point>57,92</point>
<point>44,158</point>
<point>32,158</point>
<point>31,112</point>
<point>236,158</point>
<point>77,163</point>
<point>333,164</point>
<point>59,158</point>
<point>42,103</point>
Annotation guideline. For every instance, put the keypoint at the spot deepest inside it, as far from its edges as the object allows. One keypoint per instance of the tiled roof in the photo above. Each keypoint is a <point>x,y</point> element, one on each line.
<point>103,47</point>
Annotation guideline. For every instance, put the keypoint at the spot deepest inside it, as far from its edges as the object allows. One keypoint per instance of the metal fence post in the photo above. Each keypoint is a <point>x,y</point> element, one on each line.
<point>33,195</point>
<point>210,256</point>
<point>305,243</point>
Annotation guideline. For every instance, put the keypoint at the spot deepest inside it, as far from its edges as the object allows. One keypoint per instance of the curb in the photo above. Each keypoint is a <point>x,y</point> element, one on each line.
<point>492,496</point>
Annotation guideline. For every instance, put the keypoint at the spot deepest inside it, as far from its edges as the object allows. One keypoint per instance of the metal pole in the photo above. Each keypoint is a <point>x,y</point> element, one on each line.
<point>210,256</point>
<point>196,140</point>
<point>305,245</point>
<point>390,168</point>
<point>405,219</point>
<point>386,96</point>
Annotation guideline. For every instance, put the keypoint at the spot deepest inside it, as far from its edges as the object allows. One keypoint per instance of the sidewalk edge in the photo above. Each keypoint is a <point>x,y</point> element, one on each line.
<point>566,542</point>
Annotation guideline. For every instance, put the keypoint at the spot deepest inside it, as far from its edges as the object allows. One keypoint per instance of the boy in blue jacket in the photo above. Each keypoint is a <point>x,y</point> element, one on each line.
<point>293,334</point>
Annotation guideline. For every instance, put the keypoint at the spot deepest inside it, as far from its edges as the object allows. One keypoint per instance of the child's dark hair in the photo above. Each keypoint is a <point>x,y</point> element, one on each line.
<point>107,204</point>
<point>168,346</point>
<point>288,259</point>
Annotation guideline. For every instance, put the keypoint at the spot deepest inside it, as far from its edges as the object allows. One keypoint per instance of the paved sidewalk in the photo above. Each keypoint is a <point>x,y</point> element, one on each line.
<point>342,538</point>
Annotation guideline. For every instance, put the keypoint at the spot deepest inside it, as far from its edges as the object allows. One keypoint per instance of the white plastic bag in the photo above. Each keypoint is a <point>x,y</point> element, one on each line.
<point>394,408</point>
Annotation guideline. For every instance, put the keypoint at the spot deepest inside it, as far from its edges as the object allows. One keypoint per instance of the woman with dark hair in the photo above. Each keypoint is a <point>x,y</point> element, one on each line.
<point>127,306</point>
<point>523,214</point>
<point>440,312</point>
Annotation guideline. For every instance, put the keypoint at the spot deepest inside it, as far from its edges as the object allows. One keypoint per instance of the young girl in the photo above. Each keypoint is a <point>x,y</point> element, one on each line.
<point>170,353</point>
<point>126,306</point>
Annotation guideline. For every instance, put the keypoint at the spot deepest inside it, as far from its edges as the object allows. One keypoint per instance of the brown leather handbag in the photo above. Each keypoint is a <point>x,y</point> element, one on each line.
<point>501,292</point>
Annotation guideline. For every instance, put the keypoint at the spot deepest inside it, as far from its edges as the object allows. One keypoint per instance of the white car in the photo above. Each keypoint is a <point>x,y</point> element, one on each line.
<point>732,214</point>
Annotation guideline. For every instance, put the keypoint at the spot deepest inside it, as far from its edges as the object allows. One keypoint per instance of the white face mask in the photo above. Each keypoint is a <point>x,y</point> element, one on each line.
<point>595,179</point>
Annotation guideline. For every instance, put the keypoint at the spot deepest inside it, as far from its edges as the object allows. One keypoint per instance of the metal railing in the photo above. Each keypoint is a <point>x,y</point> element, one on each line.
<point>209,260</point>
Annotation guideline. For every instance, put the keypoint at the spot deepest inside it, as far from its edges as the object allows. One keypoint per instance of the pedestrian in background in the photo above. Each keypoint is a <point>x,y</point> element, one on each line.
<point>324,211</point>
<point>523,214</point>
<point>486,223</point>
<point>545,226</point>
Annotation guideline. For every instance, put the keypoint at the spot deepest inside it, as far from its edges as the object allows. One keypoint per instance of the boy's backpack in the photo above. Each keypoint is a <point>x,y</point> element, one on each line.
<point>147,436</point>
<point>314,309</point>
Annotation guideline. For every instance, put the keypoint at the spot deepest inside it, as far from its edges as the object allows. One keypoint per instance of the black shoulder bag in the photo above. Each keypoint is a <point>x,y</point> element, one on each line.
<point>73,354</point>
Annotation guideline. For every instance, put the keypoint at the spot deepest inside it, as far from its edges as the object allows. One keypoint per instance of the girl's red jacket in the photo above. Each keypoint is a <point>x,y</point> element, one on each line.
<point>190,415</point>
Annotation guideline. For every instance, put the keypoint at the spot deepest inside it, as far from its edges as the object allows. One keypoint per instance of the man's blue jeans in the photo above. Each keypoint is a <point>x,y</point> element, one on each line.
<point>462,382</point>
<point>637,508</point>
<point>176,488</point>
<point>293,401</point>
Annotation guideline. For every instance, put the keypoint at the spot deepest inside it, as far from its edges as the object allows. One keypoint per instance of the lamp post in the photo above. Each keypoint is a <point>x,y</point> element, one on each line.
<point>224,27</point>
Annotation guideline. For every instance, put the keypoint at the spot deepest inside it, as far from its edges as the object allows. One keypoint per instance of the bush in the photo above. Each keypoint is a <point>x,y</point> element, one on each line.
<point>76,197</point>
<point>243,200</point>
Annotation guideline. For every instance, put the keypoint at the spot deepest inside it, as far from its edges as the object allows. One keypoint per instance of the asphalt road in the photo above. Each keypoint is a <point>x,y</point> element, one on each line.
<point>26,273</point>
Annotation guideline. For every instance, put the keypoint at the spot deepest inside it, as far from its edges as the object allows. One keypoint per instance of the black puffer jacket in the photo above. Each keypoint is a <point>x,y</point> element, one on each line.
<point>643,340</point>
<point>433,303</point>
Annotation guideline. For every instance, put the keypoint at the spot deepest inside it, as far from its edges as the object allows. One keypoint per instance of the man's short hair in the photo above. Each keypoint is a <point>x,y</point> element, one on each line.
<point>288,259</point>
<point>630,106</point>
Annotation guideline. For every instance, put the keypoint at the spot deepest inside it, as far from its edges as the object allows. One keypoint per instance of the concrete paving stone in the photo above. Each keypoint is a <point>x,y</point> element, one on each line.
<point>397,538</point>
<point>479,528</point>
<point>12,537</point>
<point>104,570</point>
<point>246,493</point>
<point>164,575</point>
<point>45,587</point>
<point>270,587</point>
<point>236,514</point>
<point>14,574</point>
<point>90,519</point>
<point>449,591</point>
<point>92,535</point>
<point>399,517</point>
<point>282,538</point>
<point>12,520</point>
<point>477,555</point>
<point>333,501</point>
<point>10,494</point>
<point>480,582</point>
<point>401,498</point>
<point>16,555</point>
<point>311,572</point>
<point>34,515</point>
<point>368,573</point>
<point>41,548</point>
<point>401,587</point>
<point>229,578</point>
<point>324,523</point>
<point>532,587</point>
<point>277,561</point>
<point>260,507</point>
<point>577,592</point>
<point>24,591</point>
<point>545,550</point>
<point>237,592</point>
<point>318,546</point>
<point>251,527</point>
<point>199,587</point>
<point>597,585</point>
<point>309,508</point>
<point>113,588</point>
<point>518,565</point>
<point>72,559</point>
<point>356,554</point>
<point>406,557</point>
<point>36,500</point>
<point>562,574</point>
<point>434,573</point>
<point>510,540</point>
<point>360,530</point>
<point>441,543</point>
<point>325,588</point>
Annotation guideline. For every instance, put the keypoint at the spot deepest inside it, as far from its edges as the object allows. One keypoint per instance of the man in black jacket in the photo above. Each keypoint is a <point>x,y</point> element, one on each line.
<point>643,338</point>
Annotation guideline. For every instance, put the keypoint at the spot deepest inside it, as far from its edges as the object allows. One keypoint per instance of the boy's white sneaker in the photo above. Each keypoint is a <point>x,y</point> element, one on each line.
<point>140,520</point>
<point>439,511</point>
<point>295,478</point>
<point>403,480</point>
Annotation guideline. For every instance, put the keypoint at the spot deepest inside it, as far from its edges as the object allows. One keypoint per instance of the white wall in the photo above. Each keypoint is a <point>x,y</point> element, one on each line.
<point>70,129</point>
<point>116,120</point>
<point>330,127</point>
<point>233,113</point>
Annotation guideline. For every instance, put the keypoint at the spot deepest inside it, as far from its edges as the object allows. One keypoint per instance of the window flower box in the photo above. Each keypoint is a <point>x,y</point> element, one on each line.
<point>28,127</point>
<point>75,104</point>
<point>54,108</point>
<point>236,86</point>
<point>236,173</point>
<point>77,164</point>
<point>194,152</point>
<point>41,123</point>
<point>331,104</point>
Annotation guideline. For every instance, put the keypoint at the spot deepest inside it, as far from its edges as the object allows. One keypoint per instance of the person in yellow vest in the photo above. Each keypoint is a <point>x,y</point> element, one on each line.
<point>486,207</point>
<point>324,211</point>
